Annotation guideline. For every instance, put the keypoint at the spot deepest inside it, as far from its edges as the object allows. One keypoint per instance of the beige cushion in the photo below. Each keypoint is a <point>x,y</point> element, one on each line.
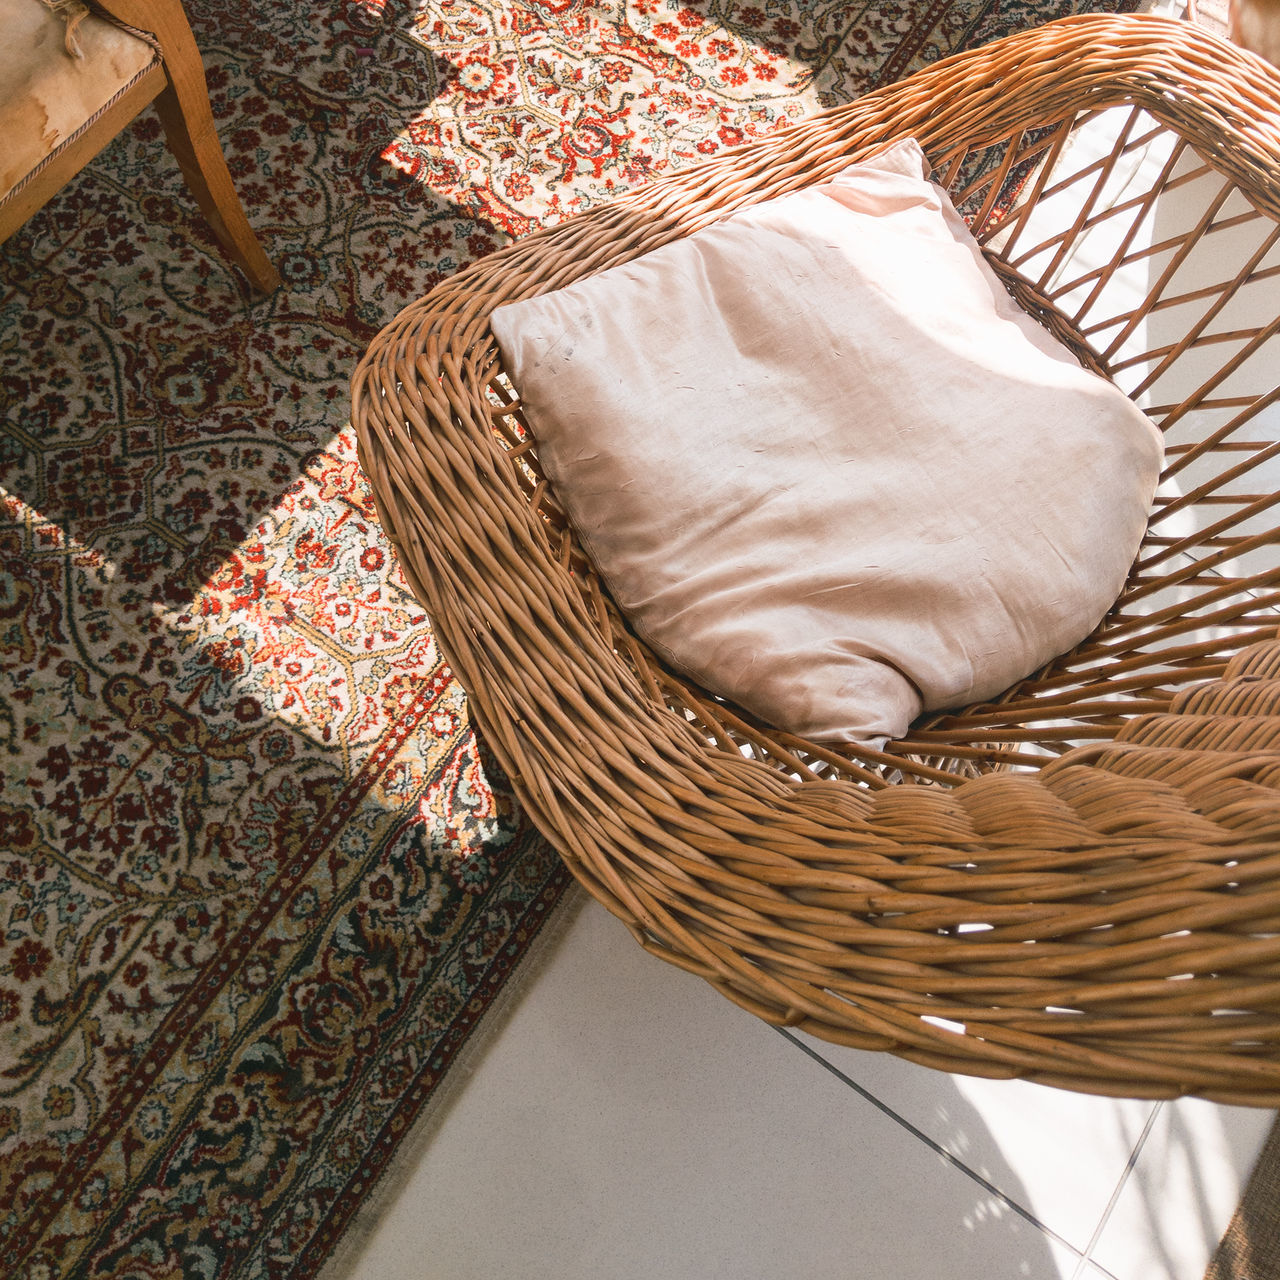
<point>46,94</point>
<point>825,463</point>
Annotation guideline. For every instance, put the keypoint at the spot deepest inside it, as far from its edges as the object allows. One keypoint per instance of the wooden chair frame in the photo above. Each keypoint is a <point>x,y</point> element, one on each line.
<point>175,83</point>
<point>1078,883</point>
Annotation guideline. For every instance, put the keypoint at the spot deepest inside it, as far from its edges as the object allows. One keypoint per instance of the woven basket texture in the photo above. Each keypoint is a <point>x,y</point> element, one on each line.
<point>1078,883</point>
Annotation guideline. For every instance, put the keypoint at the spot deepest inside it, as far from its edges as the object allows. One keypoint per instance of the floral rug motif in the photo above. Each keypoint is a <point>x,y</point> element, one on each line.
<point>258,879</point>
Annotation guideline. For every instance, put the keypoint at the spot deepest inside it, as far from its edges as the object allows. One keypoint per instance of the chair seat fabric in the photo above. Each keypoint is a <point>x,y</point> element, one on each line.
<point>47,95</point>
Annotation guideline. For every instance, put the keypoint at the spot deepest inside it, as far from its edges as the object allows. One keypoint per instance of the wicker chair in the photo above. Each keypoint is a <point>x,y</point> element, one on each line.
<point>1077,884</point>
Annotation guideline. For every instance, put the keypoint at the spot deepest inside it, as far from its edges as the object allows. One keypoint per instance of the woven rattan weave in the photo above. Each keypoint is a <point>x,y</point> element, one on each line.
<point>1078,884</point>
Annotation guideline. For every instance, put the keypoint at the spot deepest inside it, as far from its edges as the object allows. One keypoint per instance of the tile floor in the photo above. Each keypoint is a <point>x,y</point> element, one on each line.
<point>627,1121</point>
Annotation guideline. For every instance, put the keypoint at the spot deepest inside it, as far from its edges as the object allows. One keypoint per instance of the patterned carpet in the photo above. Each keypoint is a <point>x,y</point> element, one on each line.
<point>258,881</point>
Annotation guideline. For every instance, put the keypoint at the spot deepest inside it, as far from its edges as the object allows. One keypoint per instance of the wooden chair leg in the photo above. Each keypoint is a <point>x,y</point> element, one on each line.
<point>188,125</point>
<point>189,129</point>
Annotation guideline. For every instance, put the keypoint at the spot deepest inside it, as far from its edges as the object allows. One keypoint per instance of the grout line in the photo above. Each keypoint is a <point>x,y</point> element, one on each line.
<point>954,1161</point>
<point>1087,1261</point>
<point>1086,1269</point>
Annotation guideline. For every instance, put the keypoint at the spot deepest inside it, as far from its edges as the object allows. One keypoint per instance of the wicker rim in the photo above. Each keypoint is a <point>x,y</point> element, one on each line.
<point>1110,923</point>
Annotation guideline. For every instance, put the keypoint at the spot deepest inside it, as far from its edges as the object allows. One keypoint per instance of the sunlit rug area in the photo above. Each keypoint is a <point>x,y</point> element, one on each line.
<point>259,882</point>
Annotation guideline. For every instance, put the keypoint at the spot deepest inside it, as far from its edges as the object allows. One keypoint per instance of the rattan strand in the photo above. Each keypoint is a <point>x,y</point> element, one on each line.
<point>1078,884</point>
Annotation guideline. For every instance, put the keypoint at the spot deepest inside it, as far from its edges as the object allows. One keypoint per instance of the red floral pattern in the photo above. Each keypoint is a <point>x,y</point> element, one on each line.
<point>258,879</point>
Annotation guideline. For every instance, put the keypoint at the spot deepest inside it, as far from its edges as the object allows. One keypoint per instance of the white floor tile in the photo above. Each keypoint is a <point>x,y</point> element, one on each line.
<point>1061,1155</point>
<point>1183,1190</point>
<point>629,1122</point>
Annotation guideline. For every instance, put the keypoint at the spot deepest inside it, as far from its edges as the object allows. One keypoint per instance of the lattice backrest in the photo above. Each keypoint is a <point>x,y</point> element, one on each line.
<point>1170,272</point>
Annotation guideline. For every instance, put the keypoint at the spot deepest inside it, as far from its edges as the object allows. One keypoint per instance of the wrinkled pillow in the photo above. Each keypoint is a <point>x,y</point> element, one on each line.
<point>826,465</point>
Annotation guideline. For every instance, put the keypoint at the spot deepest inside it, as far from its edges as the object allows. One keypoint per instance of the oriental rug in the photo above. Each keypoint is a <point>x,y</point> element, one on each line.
<point>259,882</point>
<point>1250,1246</point>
